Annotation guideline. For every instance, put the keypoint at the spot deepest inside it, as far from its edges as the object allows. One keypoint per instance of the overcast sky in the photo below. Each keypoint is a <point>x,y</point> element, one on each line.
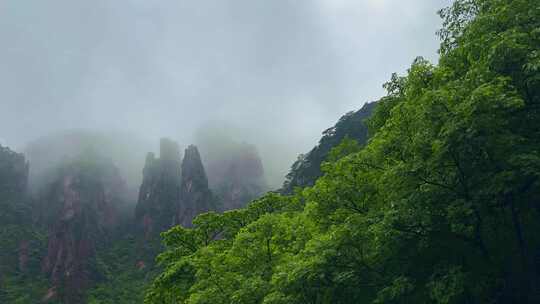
<point>278,72</point>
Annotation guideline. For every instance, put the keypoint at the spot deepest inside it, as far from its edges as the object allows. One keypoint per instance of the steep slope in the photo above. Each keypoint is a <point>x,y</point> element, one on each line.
<point>195,195</point>
<point>21,242</point>
<point>305,171</point>
<point>160,190</point>
<point>440,206</point>
<point>81,214</point>
<point>172,192</point>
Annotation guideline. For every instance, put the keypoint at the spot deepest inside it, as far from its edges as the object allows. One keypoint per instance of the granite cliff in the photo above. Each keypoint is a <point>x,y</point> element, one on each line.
<point>195,195</point>
<point>80,215</point>
<point>160,190</point>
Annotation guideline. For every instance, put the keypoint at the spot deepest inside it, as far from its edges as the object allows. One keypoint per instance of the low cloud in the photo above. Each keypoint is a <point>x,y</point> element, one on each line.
<point>281,71</point>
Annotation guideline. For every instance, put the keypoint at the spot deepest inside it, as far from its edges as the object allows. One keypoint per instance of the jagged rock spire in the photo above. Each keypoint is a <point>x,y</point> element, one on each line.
<point>193,169</point>
<point>172,192</point>
<point>195,196</point>
<point>159,191</point>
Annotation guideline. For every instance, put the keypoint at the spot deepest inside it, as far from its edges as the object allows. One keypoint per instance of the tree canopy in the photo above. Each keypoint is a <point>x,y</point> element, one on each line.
<point>441,206</point>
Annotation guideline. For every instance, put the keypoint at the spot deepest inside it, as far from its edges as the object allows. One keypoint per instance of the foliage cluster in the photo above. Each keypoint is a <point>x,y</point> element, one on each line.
<point>125,273</point>
<point>441,206</point>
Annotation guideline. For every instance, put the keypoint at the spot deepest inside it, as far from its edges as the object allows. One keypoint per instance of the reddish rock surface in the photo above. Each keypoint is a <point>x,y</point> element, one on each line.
<point>81,213</point>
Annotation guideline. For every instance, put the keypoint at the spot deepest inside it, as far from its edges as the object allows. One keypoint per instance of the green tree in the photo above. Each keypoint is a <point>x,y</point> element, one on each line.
<point>441,205</point>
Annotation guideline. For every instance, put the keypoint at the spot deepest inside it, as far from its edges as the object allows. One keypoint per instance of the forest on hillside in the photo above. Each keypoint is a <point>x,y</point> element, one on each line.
<point>440,206</point>
<point>431,194</point>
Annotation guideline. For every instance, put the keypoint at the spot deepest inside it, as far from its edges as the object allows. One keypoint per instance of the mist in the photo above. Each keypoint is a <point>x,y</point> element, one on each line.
<point>274,74</point>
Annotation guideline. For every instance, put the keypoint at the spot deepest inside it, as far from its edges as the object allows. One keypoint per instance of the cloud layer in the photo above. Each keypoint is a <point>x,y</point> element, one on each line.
<point>278,71</point>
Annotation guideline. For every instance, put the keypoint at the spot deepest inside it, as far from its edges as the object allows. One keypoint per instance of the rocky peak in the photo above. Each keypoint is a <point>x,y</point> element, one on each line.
<point>195,195</point>
<point>192,169</point>
<point>159,191</point>
<point>81,207</point>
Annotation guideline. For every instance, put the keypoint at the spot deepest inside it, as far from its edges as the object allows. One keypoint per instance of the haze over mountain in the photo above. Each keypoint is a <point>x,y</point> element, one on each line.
<point>166,68</point>
<point>165,152</point>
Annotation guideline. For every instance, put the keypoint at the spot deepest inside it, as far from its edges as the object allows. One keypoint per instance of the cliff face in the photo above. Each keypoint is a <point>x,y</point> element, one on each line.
<point>80,215</point>
<point>172,192</point>
<point>16,233</point>
<point>195,195</point>
<point>13,174</point>
<point>160,190</point>
<point>78,209</point>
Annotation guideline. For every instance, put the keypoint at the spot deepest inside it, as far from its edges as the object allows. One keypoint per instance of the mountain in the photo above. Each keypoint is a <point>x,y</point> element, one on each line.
<point>160,190</point>
<point>21,242</point>
<point>307,169</point>
<point>81,214</point>
<point>46,153</point>
<point>195,195</point>
<point>441,205</point>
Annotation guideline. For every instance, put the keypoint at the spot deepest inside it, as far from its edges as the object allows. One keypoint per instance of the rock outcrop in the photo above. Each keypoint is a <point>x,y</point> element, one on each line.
<point>13,174</point>
<point>159,193</point>
<point>80,214</point>
<point>15,215</point>
<point>195,195</point>
<point>172,192</point>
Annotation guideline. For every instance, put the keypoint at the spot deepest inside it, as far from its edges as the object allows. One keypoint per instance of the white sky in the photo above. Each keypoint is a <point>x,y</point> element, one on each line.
<point>279,71</point>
